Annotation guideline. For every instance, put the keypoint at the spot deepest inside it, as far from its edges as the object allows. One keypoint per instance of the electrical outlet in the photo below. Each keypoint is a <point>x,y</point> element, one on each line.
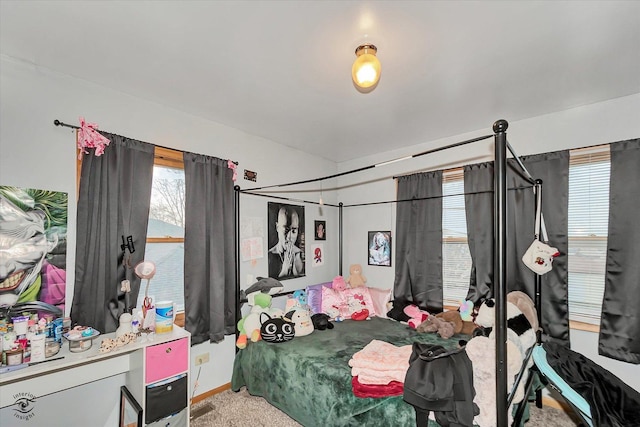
<point>202,358</point>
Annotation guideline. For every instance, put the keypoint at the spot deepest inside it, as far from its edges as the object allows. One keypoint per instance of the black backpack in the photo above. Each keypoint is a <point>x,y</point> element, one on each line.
<point>440,380</point>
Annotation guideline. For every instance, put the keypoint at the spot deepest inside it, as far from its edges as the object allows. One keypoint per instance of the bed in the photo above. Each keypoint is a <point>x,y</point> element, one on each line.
<point>309,377</point>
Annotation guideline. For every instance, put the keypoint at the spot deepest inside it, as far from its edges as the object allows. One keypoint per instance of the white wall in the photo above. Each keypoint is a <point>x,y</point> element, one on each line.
<point>614,120</point>
<point>36,154</point>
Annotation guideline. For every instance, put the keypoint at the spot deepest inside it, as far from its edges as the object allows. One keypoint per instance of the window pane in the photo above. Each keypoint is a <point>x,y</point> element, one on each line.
<point>166,215</point>
<point>456,259</point>
<point>167,284</point>
<point>588,228</point>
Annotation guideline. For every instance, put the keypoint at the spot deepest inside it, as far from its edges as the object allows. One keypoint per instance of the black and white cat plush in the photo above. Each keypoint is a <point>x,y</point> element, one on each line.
<point>276,329</point>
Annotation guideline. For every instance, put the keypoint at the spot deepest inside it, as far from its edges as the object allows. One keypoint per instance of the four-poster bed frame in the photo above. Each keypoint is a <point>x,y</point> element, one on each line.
<point>500,252</point>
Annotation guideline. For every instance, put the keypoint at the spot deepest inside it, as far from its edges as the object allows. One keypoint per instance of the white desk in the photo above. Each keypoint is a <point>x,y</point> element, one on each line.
<point>76,369</point>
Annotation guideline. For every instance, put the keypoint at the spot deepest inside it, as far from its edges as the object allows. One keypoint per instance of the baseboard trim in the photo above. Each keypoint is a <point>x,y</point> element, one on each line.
<point>557,404</point>
<point>210,393</point>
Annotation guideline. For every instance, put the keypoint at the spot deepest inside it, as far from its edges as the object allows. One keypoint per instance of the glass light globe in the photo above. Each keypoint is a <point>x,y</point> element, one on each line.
<point>366,68</point>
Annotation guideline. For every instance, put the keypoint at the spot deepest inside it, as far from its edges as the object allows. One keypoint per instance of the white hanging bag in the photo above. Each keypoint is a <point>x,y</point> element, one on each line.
<point>539,256</point>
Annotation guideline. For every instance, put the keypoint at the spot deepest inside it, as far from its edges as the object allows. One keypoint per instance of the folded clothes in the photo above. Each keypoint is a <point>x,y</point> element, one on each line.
<point>394,388</point>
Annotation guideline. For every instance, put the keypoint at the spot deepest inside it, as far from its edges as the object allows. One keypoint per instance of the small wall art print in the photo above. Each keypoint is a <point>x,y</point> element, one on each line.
<point>320,230</point>
<point>380,248</point>
<point>318,255</point>
<point>286,254</point>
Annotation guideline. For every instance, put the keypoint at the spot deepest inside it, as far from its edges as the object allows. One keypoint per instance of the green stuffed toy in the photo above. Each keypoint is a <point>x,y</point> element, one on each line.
<point>249,325</point>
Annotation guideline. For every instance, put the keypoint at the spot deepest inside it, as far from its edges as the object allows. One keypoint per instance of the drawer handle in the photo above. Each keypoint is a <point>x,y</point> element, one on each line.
<point>168,350</point>
<point>169,388</point>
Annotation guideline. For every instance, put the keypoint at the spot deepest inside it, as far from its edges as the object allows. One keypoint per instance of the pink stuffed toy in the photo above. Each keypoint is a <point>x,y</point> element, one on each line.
<point>417,316</point>
<point>339,284</point>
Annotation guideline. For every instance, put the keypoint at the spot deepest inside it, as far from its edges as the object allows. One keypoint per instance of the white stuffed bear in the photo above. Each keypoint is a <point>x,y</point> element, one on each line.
<point>482,353</point>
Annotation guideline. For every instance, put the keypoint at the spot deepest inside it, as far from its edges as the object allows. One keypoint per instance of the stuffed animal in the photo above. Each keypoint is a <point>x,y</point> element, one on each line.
<point>321,321</point>
<point>298,301</point>
<point>526,306</point>
<point>416,316</point>
<point>338,283</point>
<point>519,329</point>
<point>249,325</point>
<point>301,320</point>
<point>466,310</point>
<point>459,326</point>
<point>276,329</point>
<point>266,285</point>
<point>356,278</point>
<point>436,324</point>
<point>482,353</point>
<point>357,308</point>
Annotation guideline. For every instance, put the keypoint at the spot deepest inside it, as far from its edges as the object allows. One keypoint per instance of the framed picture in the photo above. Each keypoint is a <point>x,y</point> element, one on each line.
<point>130,409</point>
<point>286,254</point>
<point>320,230</point>
<point>380,248</point>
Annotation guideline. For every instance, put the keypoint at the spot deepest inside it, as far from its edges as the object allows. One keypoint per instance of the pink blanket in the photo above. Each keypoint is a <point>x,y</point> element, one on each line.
<point>380,362</point>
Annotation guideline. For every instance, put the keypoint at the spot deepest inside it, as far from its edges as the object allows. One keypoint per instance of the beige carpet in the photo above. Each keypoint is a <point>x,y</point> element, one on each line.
<point>230,409</point>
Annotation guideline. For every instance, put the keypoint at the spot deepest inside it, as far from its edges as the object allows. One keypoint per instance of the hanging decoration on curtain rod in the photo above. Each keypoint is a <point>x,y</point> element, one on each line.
<point>89,137</point>
<point>95,127</point>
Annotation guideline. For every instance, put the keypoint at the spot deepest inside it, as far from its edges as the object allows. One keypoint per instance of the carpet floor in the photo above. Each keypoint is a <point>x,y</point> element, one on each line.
<point>231,409</point>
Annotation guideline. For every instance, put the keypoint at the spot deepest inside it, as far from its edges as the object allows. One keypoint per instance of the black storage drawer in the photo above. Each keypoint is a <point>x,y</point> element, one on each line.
<point>165,398</point>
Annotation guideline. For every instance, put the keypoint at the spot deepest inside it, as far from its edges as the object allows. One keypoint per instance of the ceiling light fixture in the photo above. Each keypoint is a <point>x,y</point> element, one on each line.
<point>366,68</point>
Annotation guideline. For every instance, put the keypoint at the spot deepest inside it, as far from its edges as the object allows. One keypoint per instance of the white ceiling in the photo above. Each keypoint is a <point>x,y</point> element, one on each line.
<point>282,69</point>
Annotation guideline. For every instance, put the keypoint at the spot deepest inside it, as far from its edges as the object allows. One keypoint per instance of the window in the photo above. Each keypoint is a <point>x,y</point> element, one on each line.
<point>165,232</point>
<point>456,258</point>
<point>588,227</point>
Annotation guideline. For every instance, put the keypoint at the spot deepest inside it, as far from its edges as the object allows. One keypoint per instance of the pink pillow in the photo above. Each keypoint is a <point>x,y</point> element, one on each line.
<point>359,298</point>
<point>380,298</point>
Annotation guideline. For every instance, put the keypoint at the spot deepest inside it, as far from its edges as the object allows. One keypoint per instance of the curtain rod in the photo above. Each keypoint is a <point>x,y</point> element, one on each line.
<point>285,198</point>
<point>522,187</point>
<point>457,144</point>
<point>59,123</point>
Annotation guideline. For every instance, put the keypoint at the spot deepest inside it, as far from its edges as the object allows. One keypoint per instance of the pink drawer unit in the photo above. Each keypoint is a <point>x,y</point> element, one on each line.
<point>166,360</point>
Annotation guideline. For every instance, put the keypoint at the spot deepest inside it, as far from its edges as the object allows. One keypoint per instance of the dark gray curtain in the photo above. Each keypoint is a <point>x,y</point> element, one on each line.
<point>113,201</point>
<point>479,208</point>
<point>620,322</point>
<point>553,170</point>
<point>418,276</point>
<point>209,249</point>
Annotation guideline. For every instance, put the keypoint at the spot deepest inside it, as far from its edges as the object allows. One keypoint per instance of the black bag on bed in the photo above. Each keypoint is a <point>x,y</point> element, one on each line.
<point>441,381</point>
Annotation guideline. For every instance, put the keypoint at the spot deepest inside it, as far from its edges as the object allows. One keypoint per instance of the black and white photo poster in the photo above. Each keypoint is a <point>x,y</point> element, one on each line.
<point>286,241</point>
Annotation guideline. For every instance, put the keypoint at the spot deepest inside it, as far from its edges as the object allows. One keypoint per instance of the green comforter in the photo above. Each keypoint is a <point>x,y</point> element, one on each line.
<point>309,377</point>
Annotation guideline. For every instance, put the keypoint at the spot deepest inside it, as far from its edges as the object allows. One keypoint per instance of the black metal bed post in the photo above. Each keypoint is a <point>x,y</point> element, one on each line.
<point>340,205</point>
<point>236,207</point>
<point>538,282</point>
<point>500,268</point>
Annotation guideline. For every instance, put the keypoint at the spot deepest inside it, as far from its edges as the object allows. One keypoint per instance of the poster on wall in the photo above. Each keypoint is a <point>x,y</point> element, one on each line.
<point>380,248</point>
<point>318,255</point>
<point>33,240</point>
<point>320,230</point>
<point>286,241</point>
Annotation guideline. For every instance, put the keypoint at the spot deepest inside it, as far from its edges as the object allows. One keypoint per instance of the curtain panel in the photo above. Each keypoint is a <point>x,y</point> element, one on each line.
<point>553,170</point>
<point>113,201</point>
<point>209,249</point>
<point>418,274</point>
<point>620,321</point>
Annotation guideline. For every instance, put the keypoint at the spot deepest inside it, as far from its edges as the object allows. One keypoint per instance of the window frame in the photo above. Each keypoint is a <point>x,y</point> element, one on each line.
<point>170,158</point>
